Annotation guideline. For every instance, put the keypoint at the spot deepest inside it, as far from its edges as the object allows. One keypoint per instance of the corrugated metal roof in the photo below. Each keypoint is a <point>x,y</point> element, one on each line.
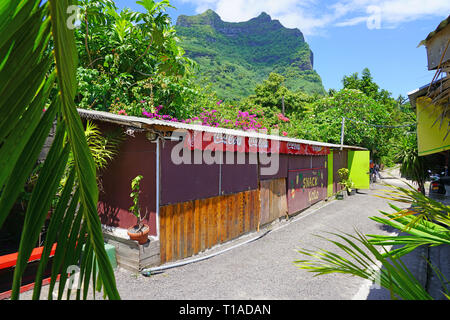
<point>422,91</point>
<point>441,26</point>
<point>142,123</point>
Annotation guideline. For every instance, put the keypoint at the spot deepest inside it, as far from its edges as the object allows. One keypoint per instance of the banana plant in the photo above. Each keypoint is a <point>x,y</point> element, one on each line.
<point>38,61</point>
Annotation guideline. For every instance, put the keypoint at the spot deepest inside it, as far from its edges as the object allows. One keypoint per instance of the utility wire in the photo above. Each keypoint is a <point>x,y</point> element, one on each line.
<point>381,126</point>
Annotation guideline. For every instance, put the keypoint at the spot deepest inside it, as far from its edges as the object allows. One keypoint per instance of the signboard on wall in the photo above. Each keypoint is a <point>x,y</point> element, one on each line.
<point>306,187</point>
<point>231,143</point>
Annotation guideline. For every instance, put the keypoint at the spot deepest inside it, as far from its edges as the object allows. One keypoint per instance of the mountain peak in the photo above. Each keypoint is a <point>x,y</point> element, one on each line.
<point>263,17</point>
<point>211,13</point>
<point>236,56</point>
<point>209,17</point>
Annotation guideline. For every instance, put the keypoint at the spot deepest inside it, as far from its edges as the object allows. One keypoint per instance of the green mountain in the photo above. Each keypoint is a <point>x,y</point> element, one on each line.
<point>235,57</point>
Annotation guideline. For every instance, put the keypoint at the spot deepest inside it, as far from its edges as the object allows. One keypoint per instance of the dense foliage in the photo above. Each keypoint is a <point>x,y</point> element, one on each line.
<point>235,57</point>
<point>131,61</point>
<point>38,70</point>
<point>374,119</point>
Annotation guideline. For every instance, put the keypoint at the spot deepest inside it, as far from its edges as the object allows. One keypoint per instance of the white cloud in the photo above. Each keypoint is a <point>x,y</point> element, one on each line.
<point>313,16</point>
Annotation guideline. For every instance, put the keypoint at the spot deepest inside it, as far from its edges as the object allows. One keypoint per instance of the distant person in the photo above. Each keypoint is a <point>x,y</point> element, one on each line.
<point>377,170</point>
<point>372,170</point>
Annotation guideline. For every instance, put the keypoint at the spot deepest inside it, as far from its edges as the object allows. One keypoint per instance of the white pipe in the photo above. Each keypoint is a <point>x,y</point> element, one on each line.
<point>149,271</point>
<point>177,139</point>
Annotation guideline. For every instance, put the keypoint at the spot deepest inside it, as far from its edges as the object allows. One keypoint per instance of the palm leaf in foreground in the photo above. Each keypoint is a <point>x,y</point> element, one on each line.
<point>420,233</point>
<point>421,206</point>
<point>362,260</point>
<point>26,30</point>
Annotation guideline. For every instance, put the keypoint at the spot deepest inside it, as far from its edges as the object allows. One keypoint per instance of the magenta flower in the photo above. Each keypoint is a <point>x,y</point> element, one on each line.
<point>283,118</point>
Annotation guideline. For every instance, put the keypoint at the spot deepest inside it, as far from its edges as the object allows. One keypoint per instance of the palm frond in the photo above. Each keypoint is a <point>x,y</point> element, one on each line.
<point>37,52</point>
<point>364,261</point>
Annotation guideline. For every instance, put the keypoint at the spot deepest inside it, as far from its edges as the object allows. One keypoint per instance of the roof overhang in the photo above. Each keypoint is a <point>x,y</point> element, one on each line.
<point>161,125</point>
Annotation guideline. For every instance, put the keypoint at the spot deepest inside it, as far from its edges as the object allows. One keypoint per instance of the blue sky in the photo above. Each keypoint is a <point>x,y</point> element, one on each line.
<point>345,35</point>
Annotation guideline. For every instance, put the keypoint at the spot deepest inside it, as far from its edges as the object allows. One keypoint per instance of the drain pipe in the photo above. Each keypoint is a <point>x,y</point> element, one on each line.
<point>148,272</point>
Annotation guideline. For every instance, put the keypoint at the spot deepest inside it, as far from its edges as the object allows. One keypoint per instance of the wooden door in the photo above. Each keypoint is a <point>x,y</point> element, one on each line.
<point>273,200</point>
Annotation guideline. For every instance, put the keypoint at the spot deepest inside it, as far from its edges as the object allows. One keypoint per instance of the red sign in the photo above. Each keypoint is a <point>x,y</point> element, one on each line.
<point>224,142</point>
<point>303,149</point>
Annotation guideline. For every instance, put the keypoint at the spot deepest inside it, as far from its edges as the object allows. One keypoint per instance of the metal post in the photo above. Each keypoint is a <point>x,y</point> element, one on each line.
<point>342,133</point>
<point>282,105</point>
<point>158,181</point>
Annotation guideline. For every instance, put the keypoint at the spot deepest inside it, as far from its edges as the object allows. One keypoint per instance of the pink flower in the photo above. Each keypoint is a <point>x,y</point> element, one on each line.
<point>283,118</point>
<point>122,112</point>
<point>284,133</point>
<point>147,114</point>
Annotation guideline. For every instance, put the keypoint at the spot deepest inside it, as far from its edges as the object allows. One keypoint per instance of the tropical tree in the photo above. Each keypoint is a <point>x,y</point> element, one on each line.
<point>367,85</point>
<point>130,61</point>
<point>272,92</point>
<point>38,71</point>
<point>411,165</point>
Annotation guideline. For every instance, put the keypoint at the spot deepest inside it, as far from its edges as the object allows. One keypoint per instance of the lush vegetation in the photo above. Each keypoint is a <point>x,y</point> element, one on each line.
<point>373,119</point>
<point>39,53</point>
<point>131,62</point>
<point>235,57</point>
<point>412,166</point>
<point>136,63</point>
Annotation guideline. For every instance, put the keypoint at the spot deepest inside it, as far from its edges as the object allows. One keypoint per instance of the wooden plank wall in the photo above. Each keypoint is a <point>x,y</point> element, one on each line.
<point>273,200</point>
<point>191,227</point>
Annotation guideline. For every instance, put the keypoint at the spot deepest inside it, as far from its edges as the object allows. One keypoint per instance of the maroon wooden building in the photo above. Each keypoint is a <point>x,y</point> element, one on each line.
<point>204,186</point>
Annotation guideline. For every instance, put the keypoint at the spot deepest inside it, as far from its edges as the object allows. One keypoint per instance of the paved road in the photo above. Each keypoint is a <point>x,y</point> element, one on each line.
<point>264,269</point>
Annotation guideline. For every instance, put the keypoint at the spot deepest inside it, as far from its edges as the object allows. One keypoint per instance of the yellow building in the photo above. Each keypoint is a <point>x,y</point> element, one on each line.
<point>432,101</point>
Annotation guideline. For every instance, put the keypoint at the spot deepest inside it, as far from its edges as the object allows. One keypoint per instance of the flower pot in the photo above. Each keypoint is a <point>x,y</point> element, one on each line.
<point>351,193</point>
<point>340,196</point>
<point>140,236</point>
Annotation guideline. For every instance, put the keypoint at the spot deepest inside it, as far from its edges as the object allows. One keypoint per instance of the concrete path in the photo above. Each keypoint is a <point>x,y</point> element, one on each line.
<point>265,269</point>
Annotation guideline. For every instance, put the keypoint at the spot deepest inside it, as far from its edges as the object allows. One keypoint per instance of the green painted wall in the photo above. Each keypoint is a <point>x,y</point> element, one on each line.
<point>359,167</point>
<point>330,174</point>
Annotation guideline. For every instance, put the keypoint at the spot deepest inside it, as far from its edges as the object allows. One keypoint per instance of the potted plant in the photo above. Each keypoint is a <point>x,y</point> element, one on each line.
<point>346,182</point>
<point>350,186</point>
<point>138,232</point>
